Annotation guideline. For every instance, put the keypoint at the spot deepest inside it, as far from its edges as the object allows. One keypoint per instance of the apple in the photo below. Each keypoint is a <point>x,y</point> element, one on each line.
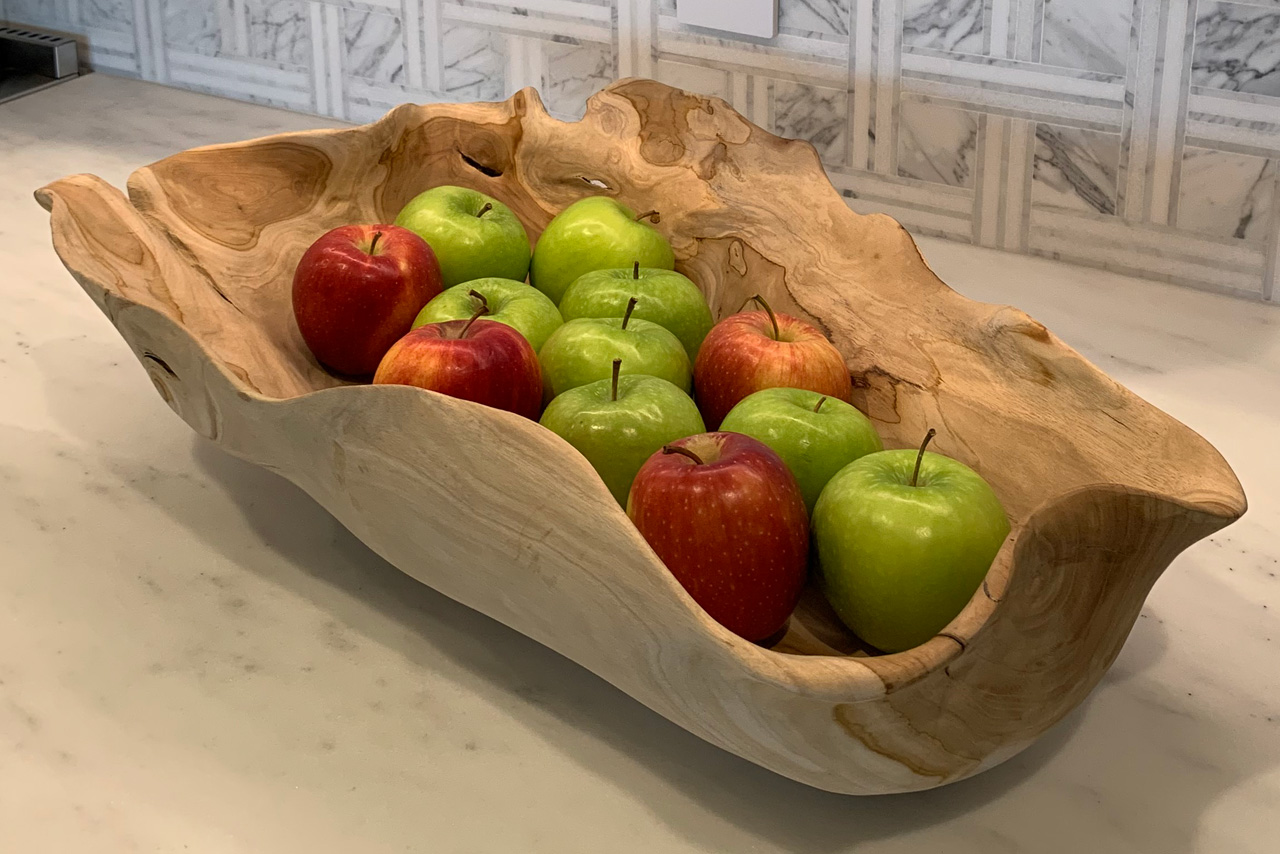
<point>479,360</point>
<point>904,539</point>
<point>724,513</point>
<point>666,298</point>
<point>475,236</point>
<point>620,422</point>
<point>816,435</point>
<point>752,350</point>
<point>581,350</point>
<point>356,291</point>
<point>514,303</point>
<point>595,233</point>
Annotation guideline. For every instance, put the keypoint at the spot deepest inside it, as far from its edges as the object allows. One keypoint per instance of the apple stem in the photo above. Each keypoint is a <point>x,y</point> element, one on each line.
<point>821,401</point>
<point>483,309</point>
<point>631,306</point>
<point>488,206</point>
<point>652,216</point>
<point>617,369</point>
<point>635,271</point>
<point>768,309</point>
<point>684,452</point>
<point>373,244</point>
<point>928,437</point>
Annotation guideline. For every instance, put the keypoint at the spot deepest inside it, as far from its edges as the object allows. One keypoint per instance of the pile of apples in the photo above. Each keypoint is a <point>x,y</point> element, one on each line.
<point>594,334</point>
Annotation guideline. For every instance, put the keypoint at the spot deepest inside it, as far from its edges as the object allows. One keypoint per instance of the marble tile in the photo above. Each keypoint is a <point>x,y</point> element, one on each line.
<point>198,25</point>
<point>1075,169</point>
<point>816,114</point>
<point>1225,194</point>
<point>937,143</point>
<point>473,64</point>
<point>814,17</point>
<point>35,13</point>
<point>1088,34</point>
<point>575,72</point>
<point>280,30</point>
<point>105,14</point>
<point>373,47</point>
<point>1237,48</point>
<point>954,25</point>
<point>695,78</point>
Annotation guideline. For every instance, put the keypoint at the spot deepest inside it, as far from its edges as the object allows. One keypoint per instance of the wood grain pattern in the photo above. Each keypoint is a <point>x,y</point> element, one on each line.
<point>1103,489</point>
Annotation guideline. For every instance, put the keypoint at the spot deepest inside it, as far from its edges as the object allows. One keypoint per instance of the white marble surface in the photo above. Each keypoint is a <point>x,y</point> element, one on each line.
<point>943,91</point>
<point>195,657</point>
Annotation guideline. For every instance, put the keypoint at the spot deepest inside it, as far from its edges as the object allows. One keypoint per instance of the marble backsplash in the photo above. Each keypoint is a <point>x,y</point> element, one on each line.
<point>1136,135</point>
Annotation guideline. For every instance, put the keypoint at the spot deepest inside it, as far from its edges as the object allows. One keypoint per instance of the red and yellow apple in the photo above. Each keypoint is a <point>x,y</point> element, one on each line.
<point>479,360</point>
<point>357,290</point>
<point>755,350</point>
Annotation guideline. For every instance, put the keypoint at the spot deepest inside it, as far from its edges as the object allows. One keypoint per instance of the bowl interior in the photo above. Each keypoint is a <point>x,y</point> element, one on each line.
<point>745,212</point>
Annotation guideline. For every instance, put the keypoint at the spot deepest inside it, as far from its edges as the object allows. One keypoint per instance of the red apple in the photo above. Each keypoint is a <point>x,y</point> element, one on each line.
<point>357,290</point>
<point>480,360</point>
<point>726,516</point>
<point>755,350</point>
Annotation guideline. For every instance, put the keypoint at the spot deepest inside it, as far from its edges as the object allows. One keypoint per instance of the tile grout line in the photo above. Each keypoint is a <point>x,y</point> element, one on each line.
<point>319,78</point>
<point>861,88</point>
<point>142,41</point>
<point>239,12</point>
<point>432,46</point>
<point>1139,105</point>
<point>1180,130</point>
<point>624,37</point>
<point>411,40</point>
<point>888,86</point>
<point>1172,73</point>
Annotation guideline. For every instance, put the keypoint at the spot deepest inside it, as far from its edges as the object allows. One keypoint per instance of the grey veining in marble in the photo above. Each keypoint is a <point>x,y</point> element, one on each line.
<point>194,656</point>
<point>814,114</point>
<point>574,73</point>
<point>472,63</point>
<point>1089,34</point>
<point>1237,47</point>
<point>373,47</point>
<point>280,30</point>
<point>954,25</point>
<point>105,14</point>
<point>1227,194</point>
<point>937,143</point>
<point>1075,169</point>
<point>823,17</point>
<point>197,25</point>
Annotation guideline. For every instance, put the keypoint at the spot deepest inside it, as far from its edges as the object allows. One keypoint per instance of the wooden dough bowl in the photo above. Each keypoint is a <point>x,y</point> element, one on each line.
<point>194,269</point>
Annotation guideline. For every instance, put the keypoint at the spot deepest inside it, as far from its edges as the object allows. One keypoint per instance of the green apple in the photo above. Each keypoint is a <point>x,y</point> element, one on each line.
<point>900,554</point>
<point>620,422</point>
<point>516,304</point>
<point>666,298</point>
<point>581,350</point>
<point>815,435</point>
<point>595,233</point>
<point>473,235</point>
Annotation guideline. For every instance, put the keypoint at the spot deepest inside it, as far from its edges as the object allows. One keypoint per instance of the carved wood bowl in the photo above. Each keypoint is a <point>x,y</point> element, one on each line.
<point>1103,490</point>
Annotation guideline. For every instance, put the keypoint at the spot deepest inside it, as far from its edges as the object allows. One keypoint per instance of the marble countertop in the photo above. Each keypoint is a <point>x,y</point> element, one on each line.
<point>194,656</point>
